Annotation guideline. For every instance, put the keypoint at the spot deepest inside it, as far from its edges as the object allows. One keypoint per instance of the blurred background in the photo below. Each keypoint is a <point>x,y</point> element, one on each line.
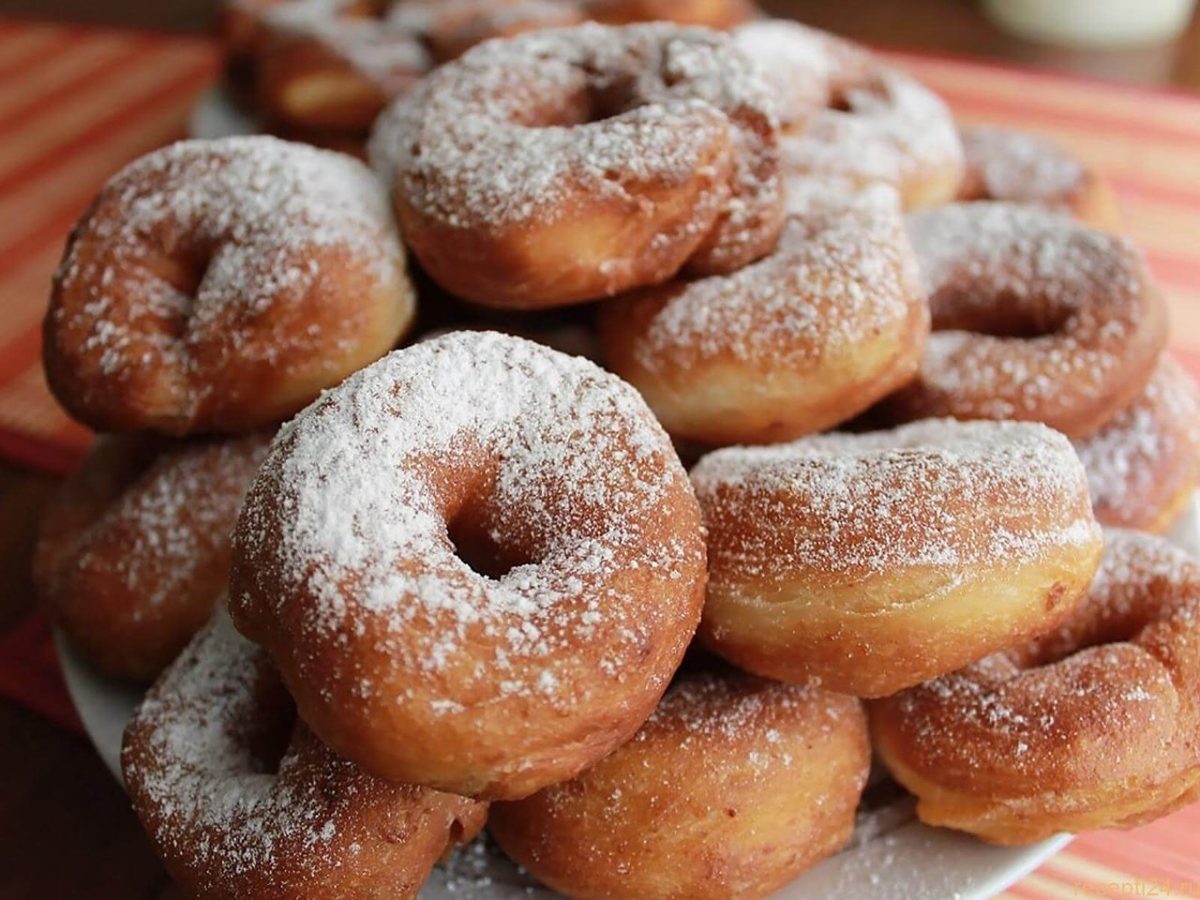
<point>1153,42</point>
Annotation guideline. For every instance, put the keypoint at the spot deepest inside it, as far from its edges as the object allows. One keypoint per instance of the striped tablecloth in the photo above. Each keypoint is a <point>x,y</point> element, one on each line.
<point>77,103</point>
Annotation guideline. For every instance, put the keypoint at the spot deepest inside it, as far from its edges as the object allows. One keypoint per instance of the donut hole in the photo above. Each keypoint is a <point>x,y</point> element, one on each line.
<point>1007,315</point>
<point>483,549</point>
<point>182,272</point>
<point>268,735</point>
<point>855,94</point>
<point>839,101</point>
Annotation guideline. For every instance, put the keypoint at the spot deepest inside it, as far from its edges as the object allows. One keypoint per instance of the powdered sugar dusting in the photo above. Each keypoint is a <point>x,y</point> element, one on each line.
<point>551,455</point>
<point>891,129</point>
<point>842,272</point>
<point>1001,268</point>
<point>1107,697</point>
<point>1134,463</point>
<point>176,517</point>
<point>908,497</point>
<point>488,140</point>
<point>1003,164</point>
<point>217,804</point>
<point>201,255</point>
<point>380,49</point>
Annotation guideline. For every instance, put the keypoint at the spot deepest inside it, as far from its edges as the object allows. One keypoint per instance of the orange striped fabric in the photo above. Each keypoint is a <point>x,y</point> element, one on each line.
<point>75,104</point>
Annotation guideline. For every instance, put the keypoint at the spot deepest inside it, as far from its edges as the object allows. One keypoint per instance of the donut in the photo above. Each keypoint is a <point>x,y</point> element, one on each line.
<point>451,27</point>
<point>1143,466</point>
<point>240,800</point>
<point>721,14</point>
<point>477,564</point>
<point>1035,317</point>
<point>335,65</point>
<point>826,325</point>
<point>1009,165</point>
<point>1095,725</point>
<point>577,163</point>
<point>132,551</point>
<point>219,286</point>
<point>849,118</point>
<point>871,562</point>
<point>242,33</point>
<point>733,787</point>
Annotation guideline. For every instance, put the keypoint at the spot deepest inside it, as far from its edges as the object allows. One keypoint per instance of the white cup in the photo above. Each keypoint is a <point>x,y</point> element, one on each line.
<point>1093,23</point>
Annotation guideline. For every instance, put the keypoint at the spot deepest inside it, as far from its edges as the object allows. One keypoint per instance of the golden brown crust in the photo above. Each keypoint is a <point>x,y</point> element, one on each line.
<point>1144,464</point>
<point>1035,317</point>
<point>1095,725</point>
<point>848,119</point>
<point>1009,165</point>
<point>721,14</point>
<point>452,27</point>
<point>241,801</point>
<point>731,789</point>
<point>566,165</point>
<point>329,66</point>
<point>219,286</point>
<point>827,324</point>
<point>133,551</point>
<point>872,562</point>
<point>462,585</point>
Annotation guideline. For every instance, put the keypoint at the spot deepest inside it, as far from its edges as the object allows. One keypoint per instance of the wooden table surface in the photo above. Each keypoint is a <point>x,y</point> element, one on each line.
<point>65,827</point>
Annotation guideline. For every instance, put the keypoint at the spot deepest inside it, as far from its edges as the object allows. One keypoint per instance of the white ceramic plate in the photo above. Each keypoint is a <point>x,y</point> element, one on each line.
<point>891,855</point>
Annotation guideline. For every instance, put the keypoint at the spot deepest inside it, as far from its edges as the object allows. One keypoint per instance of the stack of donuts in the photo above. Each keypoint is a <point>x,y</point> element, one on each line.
<point>389,587</point>
<point>321,70</point>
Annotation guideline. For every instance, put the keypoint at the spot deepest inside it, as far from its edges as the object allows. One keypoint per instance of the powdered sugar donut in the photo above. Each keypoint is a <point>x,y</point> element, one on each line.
<point>133,551</point>
<point>451,27</point>
<point>334,64</point>
<point>847,117</point>
<point>477,564</point>
<point>239,800</point>
<point>1143,465</point>
<point>828,323</point>
<point>1009,165</point>
<point>872,562</point>
<point>733,787</point>
<point>221,285</point>
<point>1095,725</point>
<point>1035,317</point>
<point>577,163</point>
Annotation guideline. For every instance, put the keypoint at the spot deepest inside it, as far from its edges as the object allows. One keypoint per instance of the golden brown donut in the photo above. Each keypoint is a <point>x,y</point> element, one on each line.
<point>242,35</point>
<point>1096,725</point>
<point>874,561</point>
<point>1010,165</point>
<point>477,564</point>
<point>451,27</point>
<point>240,800</point>
<point>571,164</point>
<point>334,66</point>
<point>221,285</point>
<point>830,322</point>
<point>133,551</point>
<point>709,13</point>
<point>731,789</point>
<point>848,118</point>
<point>1035,317</point>
<point>1144,464</point>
